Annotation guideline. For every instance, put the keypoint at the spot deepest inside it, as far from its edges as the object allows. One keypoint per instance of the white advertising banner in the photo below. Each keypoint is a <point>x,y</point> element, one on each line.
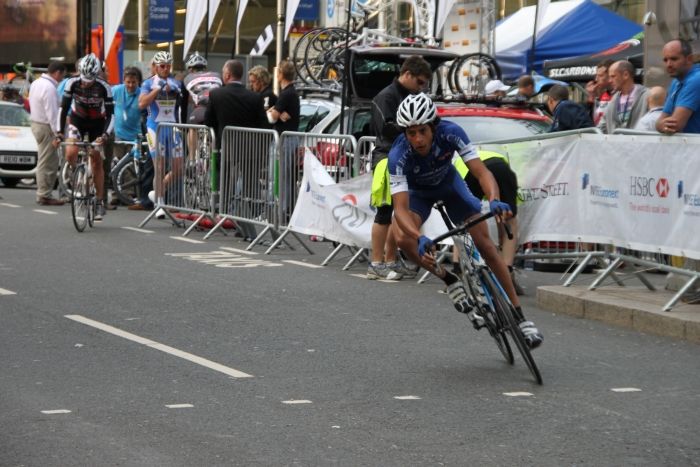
<point>113,13</point>
<point>340,212</point>
<point>638,192</point>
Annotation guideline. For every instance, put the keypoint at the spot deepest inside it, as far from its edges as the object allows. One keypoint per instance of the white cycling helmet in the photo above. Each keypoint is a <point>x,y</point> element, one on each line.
<point>196,61</point>
<point>161,58</point>
<point>416,109</point>
<point>89,67</point>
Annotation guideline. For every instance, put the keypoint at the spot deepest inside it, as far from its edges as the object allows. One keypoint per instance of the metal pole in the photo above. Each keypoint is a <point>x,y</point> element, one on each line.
<point>346,70</point>
<point>531,55</point>
<point>238,35</point>
<point>280,34</point>
<point>206,34</point>
<point>140,28</point>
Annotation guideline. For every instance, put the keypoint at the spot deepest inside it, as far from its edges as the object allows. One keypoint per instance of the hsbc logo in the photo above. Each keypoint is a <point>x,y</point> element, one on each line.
<point>662,188</point>
<point>649,187</point>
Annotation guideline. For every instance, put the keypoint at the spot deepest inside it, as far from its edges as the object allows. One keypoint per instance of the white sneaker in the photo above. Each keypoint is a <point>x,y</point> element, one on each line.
<point>152,196</point>
<point>160,214</point>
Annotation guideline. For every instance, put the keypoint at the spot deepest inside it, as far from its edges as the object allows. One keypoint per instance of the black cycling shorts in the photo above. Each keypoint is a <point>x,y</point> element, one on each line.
<point>506,180</point>
<point>77,128</point>
<point>384,213</point>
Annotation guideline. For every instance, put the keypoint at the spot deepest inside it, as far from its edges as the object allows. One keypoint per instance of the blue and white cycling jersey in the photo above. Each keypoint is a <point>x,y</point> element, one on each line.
<point>164,109</point>
<point>408,170</point>
<point>166,106</point>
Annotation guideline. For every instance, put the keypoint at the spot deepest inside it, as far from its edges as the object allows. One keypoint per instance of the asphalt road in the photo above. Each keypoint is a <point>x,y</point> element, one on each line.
<point>127,348</point>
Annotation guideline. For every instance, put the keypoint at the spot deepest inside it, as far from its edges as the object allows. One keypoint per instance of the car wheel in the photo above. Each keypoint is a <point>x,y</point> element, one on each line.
<point>9,182</point>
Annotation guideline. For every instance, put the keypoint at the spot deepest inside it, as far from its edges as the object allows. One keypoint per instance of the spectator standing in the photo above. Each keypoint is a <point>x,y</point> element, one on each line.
<point>681,111</point>
<point>599,91</point>
<point>127,122</point>
<point>43,98</point>
<point>414,76</point>
<point>234,105</point>
<point>261,82</point>
<point>629,101</point>
<point>655,102</point>
<point>526,87</point>
<point>566,115</point>
<point>284,115</point>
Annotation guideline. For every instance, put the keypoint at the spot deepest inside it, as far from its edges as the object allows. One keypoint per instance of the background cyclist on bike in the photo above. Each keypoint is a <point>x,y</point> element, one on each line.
<point>421,173</point>
<point>89,100</point>
<point>161,95</point>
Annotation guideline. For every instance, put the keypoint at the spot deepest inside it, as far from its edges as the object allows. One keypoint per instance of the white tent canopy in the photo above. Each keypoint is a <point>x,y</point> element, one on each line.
<point>516,30</point>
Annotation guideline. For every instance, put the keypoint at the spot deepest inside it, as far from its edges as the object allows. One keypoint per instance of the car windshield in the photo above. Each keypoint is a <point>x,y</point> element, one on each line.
<point>13,116</point>
<point>496,128</point>
<point>310,115</point>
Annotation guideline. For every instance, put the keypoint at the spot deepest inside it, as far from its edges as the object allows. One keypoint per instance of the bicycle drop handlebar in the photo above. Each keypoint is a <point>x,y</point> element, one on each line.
<point>468,225</point>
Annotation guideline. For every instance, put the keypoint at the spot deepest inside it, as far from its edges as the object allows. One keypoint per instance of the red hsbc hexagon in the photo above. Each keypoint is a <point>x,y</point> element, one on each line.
<point>662,187</point>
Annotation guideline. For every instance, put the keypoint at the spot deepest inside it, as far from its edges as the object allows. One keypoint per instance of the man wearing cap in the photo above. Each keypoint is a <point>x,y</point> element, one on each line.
<point>495,89</point>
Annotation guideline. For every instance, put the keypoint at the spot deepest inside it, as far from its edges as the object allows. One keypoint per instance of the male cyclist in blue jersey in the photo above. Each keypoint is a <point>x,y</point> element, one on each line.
<point>421,173</point>
<point>161,95</point>
<point>89,101</point>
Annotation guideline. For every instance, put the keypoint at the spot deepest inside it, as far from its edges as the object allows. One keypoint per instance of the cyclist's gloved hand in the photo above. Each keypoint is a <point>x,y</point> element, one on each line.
<point>498,207</point>
<point>424,245</point>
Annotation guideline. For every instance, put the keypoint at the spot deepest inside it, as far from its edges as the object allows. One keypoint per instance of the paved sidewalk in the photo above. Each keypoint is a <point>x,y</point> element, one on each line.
<point>632,306</point>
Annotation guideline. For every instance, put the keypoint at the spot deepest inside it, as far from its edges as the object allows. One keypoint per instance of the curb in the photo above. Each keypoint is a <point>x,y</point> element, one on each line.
<point>635,308</point>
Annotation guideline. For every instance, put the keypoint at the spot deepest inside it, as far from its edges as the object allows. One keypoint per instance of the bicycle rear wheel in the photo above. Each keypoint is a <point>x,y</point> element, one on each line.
<point>506,312</point>
<point>80,208</point>
<point>125,183</point>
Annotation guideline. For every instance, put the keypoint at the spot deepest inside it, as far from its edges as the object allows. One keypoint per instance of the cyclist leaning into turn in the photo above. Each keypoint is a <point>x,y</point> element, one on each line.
<point>91,106</point>
<point>421,173</point>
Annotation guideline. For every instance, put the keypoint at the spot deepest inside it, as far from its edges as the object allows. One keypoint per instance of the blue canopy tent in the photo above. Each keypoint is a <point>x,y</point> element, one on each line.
<point>569,29</point>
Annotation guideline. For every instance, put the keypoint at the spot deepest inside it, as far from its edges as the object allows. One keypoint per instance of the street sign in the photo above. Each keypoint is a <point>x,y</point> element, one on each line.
<point>161,20</point>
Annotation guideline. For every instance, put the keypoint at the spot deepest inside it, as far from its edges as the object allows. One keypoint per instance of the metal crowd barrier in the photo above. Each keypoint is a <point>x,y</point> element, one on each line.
<point>182,172</point>
<point>363,155</point>
<point>247,182</point>
<point>335,152</point>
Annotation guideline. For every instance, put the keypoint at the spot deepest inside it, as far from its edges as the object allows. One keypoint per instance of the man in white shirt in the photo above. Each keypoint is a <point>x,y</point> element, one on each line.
<point>655,102</point>
<point>43,104</point>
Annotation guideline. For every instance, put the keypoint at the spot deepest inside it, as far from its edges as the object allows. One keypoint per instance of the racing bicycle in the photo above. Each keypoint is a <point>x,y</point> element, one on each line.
<point>485,292</point>
<point>83,195</point>
<point>132,172</point>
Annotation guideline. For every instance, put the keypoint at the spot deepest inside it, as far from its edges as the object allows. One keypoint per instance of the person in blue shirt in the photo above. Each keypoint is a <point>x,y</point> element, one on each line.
<point>128,121</point>
<point>680,114</point>
<point>421,173</point>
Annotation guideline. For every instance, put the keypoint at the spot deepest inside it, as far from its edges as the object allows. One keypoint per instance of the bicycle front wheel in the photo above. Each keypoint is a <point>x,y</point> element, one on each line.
<point>506,313</point>
<point>491,320</point>
<point>80,205</point>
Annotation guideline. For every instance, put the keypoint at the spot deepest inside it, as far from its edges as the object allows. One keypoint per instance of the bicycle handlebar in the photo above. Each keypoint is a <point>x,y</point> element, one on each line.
<point>468,225</point>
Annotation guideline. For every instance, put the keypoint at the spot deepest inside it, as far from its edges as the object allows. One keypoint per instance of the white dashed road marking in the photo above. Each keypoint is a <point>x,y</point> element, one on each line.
<point>517,394</point>
<point>55,412</point>
<point>7,292</point>
<point>185,239</point>
<point>626,390</point>
<point>43,211</point>
<point>407,398</point>
<point>135,229</point>
<point>301,263</point>
<point>297,401</point>
<point>179,406</point>
<point>158,346</point>
<point>236,250</point>
<point>10,205</point>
